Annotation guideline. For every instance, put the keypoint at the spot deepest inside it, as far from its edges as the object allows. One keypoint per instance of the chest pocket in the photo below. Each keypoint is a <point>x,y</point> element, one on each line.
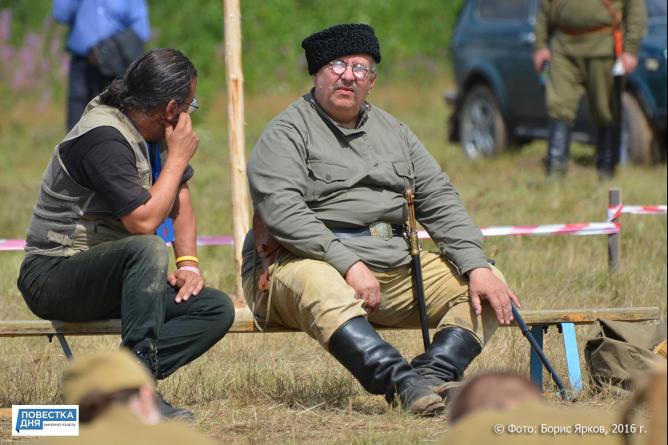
<point>325,179</point>
<point>406,173</point>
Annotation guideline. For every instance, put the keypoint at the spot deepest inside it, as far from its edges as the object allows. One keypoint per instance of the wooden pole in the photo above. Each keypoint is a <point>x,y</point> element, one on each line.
<point>236,137</point>
<point>614,240</point>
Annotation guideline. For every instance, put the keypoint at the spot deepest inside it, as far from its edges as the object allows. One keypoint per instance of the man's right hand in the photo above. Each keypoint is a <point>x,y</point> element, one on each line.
<point>365,284</point>
<point>181,139</point>
<point>540,58</point>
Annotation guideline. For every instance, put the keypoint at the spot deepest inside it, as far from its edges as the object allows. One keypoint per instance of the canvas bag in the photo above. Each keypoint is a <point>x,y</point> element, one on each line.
<point>619,351</point>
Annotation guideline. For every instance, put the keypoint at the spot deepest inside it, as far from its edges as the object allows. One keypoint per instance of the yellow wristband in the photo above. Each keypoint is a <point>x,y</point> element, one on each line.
<point>194,259</point>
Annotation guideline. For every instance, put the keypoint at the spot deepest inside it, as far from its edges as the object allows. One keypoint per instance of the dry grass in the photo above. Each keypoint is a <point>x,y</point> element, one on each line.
<point>283,388</point>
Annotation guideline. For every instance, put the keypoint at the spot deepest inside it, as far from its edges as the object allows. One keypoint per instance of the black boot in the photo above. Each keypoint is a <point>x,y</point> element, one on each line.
<point>558,148</point>
<point>450,353</point>
<point>608,143</point>
<point>380,368</point>
<point>147,353</point>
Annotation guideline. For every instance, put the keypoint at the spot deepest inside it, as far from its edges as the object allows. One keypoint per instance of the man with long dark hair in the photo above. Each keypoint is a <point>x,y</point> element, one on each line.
<point>118,176</point>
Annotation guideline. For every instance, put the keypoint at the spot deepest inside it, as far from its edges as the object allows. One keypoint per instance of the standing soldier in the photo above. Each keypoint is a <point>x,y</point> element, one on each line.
<point>588,39</point>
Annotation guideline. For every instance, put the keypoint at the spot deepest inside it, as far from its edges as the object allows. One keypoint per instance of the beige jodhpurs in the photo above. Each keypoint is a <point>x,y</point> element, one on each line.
<point>312,296</point>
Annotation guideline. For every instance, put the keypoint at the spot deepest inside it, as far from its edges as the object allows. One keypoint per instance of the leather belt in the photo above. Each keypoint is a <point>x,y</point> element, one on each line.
<point>381,230</point>
<point>584,31</point>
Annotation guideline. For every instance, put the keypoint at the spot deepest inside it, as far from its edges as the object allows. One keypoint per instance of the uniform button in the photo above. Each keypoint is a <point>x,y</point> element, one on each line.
<point>328,177</point>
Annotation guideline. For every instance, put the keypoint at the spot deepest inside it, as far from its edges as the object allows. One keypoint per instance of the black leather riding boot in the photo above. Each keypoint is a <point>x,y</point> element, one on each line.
<point>444,362</point>
<point>608,142</point>
<point>380,368</point>
<point>558,148</point>
<point>147,353</point>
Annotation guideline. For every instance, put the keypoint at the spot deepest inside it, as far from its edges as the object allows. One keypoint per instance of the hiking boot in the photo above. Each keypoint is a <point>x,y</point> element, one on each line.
<point>146,352</point>
<point>168,411</point>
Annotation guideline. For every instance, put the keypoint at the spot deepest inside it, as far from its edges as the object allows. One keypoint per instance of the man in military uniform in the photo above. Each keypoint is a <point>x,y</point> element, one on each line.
<point>117,404</point>
<point>327,178</point>
<point>587,38</point>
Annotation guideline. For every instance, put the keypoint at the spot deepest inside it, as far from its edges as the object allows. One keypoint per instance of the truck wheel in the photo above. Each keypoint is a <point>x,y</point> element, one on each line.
<point>638,137</point>
<point>482,130</point>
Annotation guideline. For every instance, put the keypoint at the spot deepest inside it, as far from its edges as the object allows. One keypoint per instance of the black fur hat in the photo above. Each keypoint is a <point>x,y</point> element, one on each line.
<point>340,40</point>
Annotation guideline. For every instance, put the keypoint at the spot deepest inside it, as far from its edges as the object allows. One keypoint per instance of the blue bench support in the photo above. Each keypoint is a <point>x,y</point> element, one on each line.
<point>572,356</point>
<point>571,352</point>
<point>535,365</point>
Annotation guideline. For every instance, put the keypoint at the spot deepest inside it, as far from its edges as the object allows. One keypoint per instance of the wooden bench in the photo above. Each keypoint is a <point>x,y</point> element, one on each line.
<point>538,320</point>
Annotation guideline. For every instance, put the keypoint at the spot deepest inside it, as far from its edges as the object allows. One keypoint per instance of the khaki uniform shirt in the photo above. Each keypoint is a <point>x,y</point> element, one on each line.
<point>308,174</point>
<point>589,14</point>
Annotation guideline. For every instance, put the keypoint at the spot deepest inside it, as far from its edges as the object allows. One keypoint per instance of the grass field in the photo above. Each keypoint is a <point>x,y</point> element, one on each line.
<point>283,388</point>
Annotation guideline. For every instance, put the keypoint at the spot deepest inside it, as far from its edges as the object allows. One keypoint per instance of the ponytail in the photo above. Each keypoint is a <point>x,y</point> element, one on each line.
<point>151,81</point>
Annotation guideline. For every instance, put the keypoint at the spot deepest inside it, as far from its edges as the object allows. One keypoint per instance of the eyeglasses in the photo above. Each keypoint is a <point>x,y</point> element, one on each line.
<point>194,106</point>
<point>359,71</point>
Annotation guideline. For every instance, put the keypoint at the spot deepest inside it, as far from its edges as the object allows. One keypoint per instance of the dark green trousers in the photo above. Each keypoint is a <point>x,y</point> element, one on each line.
<point>571,77</point>
<point>127,279</point>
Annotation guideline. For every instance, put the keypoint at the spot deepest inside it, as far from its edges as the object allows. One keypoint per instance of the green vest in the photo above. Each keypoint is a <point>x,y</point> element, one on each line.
<point>69,218</point>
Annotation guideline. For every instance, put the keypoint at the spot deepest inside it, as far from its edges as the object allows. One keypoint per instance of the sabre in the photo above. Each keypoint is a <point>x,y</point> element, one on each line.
<point>411,232</point>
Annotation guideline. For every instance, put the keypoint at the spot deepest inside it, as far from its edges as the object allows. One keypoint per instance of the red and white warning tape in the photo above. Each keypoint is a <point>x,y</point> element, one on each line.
<point>615,212</point>
<point>601,228</point>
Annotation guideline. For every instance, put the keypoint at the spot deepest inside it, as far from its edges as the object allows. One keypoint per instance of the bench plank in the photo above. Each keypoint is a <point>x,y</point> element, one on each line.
<point>243,321</point>
<point>589,316</point>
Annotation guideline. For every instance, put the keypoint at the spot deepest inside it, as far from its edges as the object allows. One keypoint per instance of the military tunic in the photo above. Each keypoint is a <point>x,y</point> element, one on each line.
<point>581,36</point>
<point>309,176</point>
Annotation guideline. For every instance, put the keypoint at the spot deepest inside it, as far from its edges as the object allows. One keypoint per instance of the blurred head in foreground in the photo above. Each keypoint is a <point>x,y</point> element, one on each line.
<point>98,381</point>
<point>497,390</point>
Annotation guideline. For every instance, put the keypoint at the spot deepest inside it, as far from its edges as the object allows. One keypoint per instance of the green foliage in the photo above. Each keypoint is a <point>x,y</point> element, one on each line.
<point>414,36</point>
<point>27,16</point>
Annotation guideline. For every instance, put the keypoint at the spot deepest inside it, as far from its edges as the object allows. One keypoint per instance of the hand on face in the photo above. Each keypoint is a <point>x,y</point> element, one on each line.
<point>181,140</point>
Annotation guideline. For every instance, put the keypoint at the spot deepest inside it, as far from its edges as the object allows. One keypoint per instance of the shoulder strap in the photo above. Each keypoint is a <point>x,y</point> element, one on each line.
<point>616,21</point>
<point>616,27</point>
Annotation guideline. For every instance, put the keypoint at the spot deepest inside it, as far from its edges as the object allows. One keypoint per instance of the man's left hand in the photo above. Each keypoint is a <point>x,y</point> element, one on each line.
<point>188,283</point>
<point>484,285</point>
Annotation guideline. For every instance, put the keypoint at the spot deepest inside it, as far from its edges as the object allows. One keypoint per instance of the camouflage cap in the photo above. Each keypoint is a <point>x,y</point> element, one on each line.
<point>104,372</point>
